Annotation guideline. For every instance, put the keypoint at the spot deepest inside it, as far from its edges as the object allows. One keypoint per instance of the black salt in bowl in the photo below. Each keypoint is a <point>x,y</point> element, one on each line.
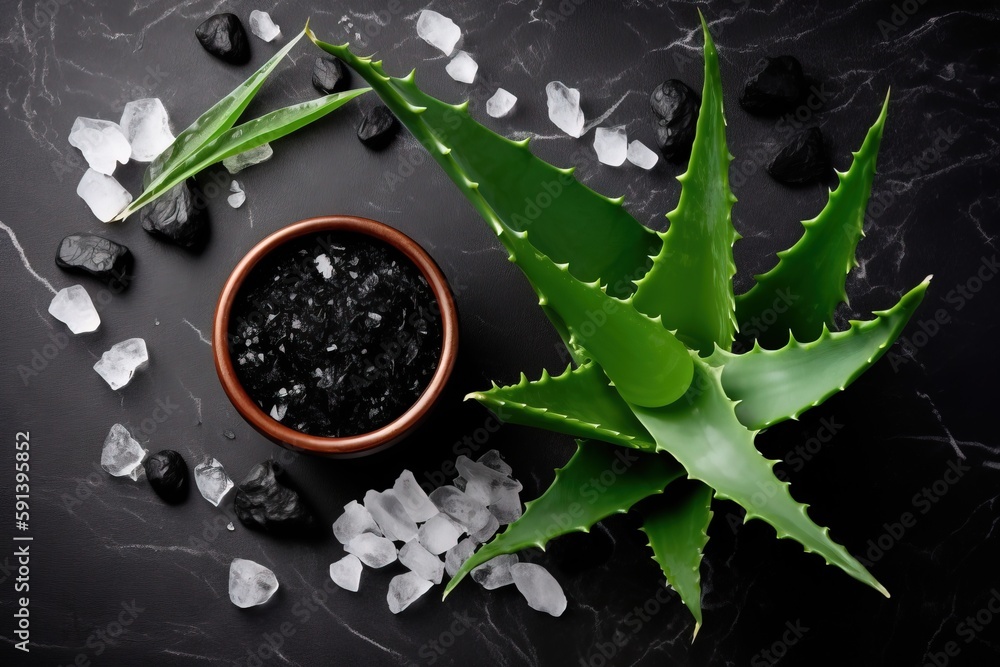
<point>335,334</point>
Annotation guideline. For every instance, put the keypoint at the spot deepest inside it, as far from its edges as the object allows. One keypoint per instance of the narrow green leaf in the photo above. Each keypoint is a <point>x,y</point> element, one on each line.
<point>514,190</point>
<point>690,283</point>
<point>602,324</point>
<point>580,402</point>
<point>239,139</point>
<point>222,116</point>
<point>677,526</point>
<point>801,293</point>
<point>600,480</point>
<point>774,385</point>
<point>702,432</point>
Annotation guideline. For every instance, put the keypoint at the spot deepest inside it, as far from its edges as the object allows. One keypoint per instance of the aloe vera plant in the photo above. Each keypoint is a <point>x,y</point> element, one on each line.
<point>212,137</point>
<point>656,392</point>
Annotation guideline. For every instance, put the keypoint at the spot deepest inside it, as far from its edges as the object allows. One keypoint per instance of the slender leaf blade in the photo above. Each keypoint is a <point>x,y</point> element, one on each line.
<point>690,283</point>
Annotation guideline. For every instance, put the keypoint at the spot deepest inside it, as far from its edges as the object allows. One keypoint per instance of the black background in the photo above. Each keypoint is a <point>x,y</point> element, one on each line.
<point>101,542</point>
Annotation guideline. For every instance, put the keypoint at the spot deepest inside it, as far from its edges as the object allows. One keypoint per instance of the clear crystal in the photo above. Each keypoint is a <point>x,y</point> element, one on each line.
<point>103,194</point>
<point>346,572</point>
<point>489,530</point>
<point>373,550</point>
<point>507,509</point>
<point>119,364</point>
<point>390,515</point>
<point>462,68</point>
<point>147,128</point>
<point>439,534</point>
<point>234,164</point>
<point>413,498</point>
<point>539,588</point>
<point>262,26</point>
<point>250,583</point>
<point>641,156</point>
<point>495,572</point>
<point>438,31</point>
<point>73,307</point>
<point>458,554</point>
<point>404,589</point>
<point>102,142</point>
<point>611,145</point>
<point>422,561</point>
<point>564,108</point>
<point>354,521</point>
<point>469,512</point>
<point>494,461</point>
<point>238,197</point>
<point>212,480</point>
<point>501,104</point>
<point>122,455</point>
<point>483,483</point>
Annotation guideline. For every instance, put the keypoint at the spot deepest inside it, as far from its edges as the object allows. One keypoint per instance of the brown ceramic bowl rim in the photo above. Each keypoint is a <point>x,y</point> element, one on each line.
<point>355,444</point>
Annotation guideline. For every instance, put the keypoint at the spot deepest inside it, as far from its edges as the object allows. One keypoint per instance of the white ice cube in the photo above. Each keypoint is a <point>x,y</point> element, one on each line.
<point>262,26</point>
<point>641,156</point>
<point>212,480</point>
<point>507,509</point>
<point>234,164</point>
<point>458,554</point>
<point>413,498</point>
<point>439,533</point>
<point>404,589</point>
<point>104,195</point>
<point>119,364</point>
<point>73,307</point>
<point>390,515</point>
<point>438,31</point>
<point>122,455</point>
<point>465,510</point>
<point>354,521</point>
<point>250,583</point>
<point>373,550</point>
<point>493,460</point>
<point>102,142</point>
<point>488,531</point>
<point>539,588</point>
<point>462,68</point>
<point>501,104</point>
<point>564,108</point>
<point>147,128</point>
<point>422,561</point>
<point>495,572</point>
<point>611,145</point>
<point>346,572</point>
<point>238,197</point>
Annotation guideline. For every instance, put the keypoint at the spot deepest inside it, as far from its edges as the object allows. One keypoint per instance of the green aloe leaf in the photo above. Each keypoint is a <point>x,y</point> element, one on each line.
<point>802,291</point>
<point>514,190</point>
<point>601,324</point>
<point>690,282</point>
<point>677,526</point>
<point>589,488</point>
<point>580,402</point>
<point>239,139</point>
<point>702,432</point>
<point>774,385</point>
<point>222,116</point>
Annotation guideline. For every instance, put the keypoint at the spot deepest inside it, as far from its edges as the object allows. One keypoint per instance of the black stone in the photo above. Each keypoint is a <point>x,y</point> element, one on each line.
<point>338,355</point>
<point>777,87</point>
<point>223,36</point>
<point>265,501</point>
<point>803,161</point>
<point>168,475</point>
<point>378,127</point>
<point>179,216</point>
<point>676,107</point>
<point>97,256</point>
<point>329,76</point>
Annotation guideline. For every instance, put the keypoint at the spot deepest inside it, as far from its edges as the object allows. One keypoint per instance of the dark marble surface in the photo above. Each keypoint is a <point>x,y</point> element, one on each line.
<point>106,549</point>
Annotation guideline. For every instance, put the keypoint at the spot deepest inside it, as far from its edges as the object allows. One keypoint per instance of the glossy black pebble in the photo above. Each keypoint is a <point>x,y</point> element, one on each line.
<point>223,36</point>
<point>803,161</point>
<point>180,216</point>
<point>329,76</point>
<point>676,107</point>
<point>95,255</point>
<point>378,127</point>
<point>168,475</point>
<point>264,501</point>
<point>777,87</point>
